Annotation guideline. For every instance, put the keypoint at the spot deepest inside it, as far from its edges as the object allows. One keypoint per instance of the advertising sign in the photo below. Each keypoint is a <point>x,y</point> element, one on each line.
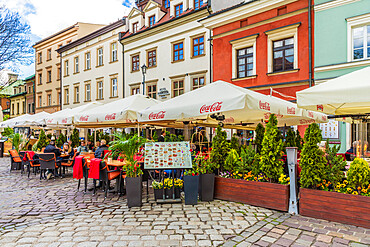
<point>330,130</point>
<point>167,155</point>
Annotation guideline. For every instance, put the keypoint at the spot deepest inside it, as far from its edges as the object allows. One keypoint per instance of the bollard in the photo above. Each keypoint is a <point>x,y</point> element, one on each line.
<point>292,164</point>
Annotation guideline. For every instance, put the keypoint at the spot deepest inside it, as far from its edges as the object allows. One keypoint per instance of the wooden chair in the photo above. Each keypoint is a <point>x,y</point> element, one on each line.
<point>15,160</point>
<point>47,161</point>
<point>85,170</point>
<point>22,155</point>
<point>106,176</point>
<point>31,163</point>
<point>69,163</point>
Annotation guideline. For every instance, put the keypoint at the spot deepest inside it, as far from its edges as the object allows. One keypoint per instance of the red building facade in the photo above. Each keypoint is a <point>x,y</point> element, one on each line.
<point>262,45</point>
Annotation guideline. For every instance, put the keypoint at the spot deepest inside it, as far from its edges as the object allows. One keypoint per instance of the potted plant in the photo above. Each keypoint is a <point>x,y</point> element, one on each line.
<point>129,148</point>
<point>16,140</point>
<point>158,190</point>
<point>191,185</point>
<point>172,186</point>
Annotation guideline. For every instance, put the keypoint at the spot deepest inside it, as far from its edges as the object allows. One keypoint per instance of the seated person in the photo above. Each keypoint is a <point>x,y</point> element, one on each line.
<point>51,148</point>
<point>82,148</point>
<point>68,150</point>
<point>99,153</point>
<point>97,144</point>
<point>350,152</point>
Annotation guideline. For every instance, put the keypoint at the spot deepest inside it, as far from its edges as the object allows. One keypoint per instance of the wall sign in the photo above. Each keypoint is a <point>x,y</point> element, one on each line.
<point>167,155</point>
<point>163,92</point>
<point>330,130</point>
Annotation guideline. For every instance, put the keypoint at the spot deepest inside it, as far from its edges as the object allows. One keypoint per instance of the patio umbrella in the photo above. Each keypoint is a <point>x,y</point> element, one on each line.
<point>121,112</point>
<point>223,101</point>
<point>347,94</point>
<point>13,122</point>
<point>35,119</point>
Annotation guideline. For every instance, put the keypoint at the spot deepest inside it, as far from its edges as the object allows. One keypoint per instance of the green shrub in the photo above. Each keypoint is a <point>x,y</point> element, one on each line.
<point>359,173</point>
<point>231,161</point>
<point>8,131</point>
<point>299,141</point>
<point>290,140</point>
<point>61,140</point>
<point>43,140</point>
<point>245,163</point>
<point>260,132</point>
<point>270,161</point>
<point>234,144</point>
<point>335,164</point>
<point>220,148</point>
<point>75,138</point>
<point>312,161</point>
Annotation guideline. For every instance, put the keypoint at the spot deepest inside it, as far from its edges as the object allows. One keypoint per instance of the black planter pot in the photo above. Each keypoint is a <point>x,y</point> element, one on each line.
<point>134,192</point>
<point>191,184</point>
<point>169,193</point>
<point>207,187</point>
<point>158,194</point>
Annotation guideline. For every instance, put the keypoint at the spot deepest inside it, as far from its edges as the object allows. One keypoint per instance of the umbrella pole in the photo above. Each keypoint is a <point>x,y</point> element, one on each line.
<point>94,136</point>
<point>138,130</point>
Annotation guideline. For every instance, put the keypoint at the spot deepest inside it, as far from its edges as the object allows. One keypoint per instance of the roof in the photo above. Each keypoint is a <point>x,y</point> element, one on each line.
<point>230,8</point>
<point>93,35</point>
<point>55,34</point>
<point>165,19</point>
<point>30,77</point>
<point>8,90</point>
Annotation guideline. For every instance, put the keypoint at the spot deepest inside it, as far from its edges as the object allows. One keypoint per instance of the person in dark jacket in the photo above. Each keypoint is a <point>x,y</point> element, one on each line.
<point>99,153</point>
<point>51,148</point>
<point>161,137</point>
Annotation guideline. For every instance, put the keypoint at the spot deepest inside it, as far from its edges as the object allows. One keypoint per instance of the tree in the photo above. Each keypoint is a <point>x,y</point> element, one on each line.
<point>290,140</point>
<point>234,143</point>
<point>43,141</point>
<point>260,131</point>
<point>312,161</point>
<point>15,43</point>
<point>270,160</point>
<point>8,131</point>
<point>336,164</point>
<point>61,140</point>
<point>299,141</point>
<point>220,148</point>
<point>75,138</point>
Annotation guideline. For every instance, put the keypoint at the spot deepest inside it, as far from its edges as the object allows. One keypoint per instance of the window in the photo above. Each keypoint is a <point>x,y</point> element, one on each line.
<point>198,46</point>
<point>40,78</point>
<point>114,92</point>
<point>100,57</point>
<point>198,4</point>
<point>24,107</point>
<point>177,88</point>
<point>59,97</point>
<point>87,92</point>
<point>152,90</point>
<point>166,3</point>
<point>13,109</point>
<point>39,57</point>
<point>178,10</point>
<point>17,108</point>
<point>100,90</point>
<point>178,51</point>
<point>245,62</point>
<point>283,55</point>
<point>135,63</point>
<point>66,68</point>
<point>77,94</point>
<point>114,52</point>
<point>49,99</point>
<point>135,27</point>
<point>135,90</point>
<point>40,101</point>
<point>49,54</point>
<point>77,67</point>
<point>48,76</point>
<point>66,96</point>
<point>88,61</point>
<point>58,73</point>
<point>361,42</point>
<point>151,20</point>
<point>198,82</point>
<point>29,107</point>
<point>152,58</point>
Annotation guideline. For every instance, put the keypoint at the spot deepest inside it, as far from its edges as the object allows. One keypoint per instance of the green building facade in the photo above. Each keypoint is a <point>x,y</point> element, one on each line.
<point>342,45</point>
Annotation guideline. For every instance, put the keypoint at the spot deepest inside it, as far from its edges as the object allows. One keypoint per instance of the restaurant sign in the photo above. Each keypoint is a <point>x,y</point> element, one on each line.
<point>167,155</point>
<point>163,92</point>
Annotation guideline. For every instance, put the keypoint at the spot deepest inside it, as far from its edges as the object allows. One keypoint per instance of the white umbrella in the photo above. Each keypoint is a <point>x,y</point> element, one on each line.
<point>238,105</point>
<point>14,121</point>
<point>119,111</point>
<point>36,119</point>
<point>347,94</point>
<point>58,117</point>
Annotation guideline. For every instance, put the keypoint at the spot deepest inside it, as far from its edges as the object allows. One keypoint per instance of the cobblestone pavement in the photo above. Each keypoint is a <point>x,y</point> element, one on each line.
<point>54,213</point>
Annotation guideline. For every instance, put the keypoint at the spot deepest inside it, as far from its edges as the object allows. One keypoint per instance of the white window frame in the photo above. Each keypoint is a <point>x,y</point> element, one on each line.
<point>100,90</point>
<point>66,67</point>
<point>40,100</point>
<point>66,96</point>
<point>278,34</point>
<point>88,92</point>
<point>77,94</point>
<point>100,56</point>
<point>354,22</point>
<point>77,67</point>
<point>49,99</point>
<point>88,60</point>
<point>249,41</point>
<point>114,87</point>
<point>114,52</point>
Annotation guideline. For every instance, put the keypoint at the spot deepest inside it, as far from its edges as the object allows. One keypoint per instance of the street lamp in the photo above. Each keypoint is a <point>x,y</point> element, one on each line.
<point>143,70</point>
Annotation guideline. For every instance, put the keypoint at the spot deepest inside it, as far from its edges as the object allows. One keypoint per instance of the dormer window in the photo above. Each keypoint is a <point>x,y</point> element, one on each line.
<point>178,10</point>
<point>135,27</point>
<point>166,4</point>
<point>198,4</point>
<point>151,20</point>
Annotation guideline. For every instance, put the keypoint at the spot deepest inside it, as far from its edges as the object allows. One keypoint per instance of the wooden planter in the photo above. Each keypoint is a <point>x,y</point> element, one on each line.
<point>334,206</point>
<point>267,195</point>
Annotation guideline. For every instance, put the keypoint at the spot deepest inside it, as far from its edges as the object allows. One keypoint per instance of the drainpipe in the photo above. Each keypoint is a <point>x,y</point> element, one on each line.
<point>310,42</point>
<point>210,46</point>
<point>123,65</point>
<point>61,84</point>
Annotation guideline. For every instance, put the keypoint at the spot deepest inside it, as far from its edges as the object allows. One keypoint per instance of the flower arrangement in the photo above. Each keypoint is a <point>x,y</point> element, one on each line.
<point>168,183</point>
<point>346,188</point>
<point>157,185</point>
<point>283,179</point>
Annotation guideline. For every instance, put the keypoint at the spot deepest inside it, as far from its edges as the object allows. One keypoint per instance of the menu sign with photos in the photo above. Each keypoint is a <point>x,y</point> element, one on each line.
<point>167,155</point>
<point>330,130</point>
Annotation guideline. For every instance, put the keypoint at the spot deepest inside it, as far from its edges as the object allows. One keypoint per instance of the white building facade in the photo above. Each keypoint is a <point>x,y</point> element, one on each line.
<point>167,38</point>
<point>92,67</point>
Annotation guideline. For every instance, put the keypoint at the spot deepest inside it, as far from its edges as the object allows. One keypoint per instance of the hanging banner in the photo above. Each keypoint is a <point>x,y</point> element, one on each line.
<point>167,155</point>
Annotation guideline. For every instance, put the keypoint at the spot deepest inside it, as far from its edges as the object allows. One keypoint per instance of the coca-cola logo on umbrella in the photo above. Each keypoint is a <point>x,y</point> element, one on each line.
<point>211,108</point>
<point>158,115</point>
<point>291,110</point>
<point>320,107</point>
<point>110,116</point>
<point>264,106</point>
<point>49,121</point>
<point>64,120</point>
<point>84,118</point>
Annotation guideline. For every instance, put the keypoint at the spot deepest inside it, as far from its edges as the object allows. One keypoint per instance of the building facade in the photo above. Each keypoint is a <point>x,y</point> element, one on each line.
<point>48,66</point>
<point>92,67</point>
<point>342,45</point>
<point>18,99</point>
<point>30,95</point>
<point>166,39</point>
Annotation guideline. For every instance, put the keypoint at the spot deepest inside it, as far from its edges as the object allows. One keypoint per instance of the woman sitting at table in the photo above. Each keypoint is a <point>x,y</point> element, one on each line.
<point>68,150</point>
<point>82,148</point>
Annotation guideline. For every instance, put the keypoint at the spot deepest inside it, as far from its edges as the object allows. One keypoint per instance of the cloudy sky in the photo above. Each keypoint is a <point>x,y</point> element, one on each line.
<point>49,16</point>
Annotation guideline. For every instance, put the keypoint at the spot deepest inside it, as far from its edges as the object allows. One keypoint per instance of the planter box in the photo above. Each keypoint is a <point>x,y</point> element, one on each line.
<point>191,186</point>
<point>207,187</point>
<point>334,206</point>
<point>267,195</point>
<point>133,191</point>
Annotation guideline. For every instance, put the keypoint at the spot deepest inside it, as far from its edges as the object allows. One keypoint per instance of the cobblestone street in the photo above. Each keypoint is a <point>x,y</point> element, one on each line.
<point>54,213</point>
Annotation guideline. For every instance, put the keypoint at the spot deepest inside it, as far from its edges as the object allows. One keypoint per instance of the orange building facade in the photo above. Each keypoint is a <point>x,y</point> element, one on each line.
<point>264,45</point>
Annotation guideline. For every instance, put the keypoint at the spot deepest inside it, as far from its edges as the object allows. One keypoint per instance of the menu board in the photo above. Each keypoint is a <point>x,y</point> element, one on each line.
<point>167,155</point>
<point>330,130</point>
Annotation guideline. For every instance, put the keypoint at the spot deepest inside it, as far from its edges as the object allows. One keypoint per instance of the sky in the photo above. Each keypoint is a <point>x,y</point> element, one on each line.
<point>47,17</point>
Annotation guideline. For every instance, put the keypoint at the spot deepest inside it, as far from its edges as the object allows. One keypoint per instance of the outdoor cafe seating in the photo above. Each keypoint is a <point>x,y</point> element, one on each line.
<point>48,162</point>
